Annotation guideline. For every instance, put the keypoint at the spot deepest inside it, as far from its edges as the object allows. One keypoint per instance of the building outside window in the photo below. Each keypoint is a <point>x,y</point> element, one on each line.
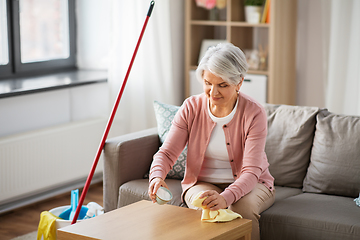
<point>37,37</point>
<point>4,46</point>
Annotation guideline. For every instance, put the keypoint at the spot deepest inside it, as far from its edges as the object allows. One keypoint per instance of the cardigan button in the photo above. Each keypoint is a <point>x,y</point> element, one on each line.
<point>225,126</point>
<point>227,143</point>
<point>232,160</point>
<point>235,175</point>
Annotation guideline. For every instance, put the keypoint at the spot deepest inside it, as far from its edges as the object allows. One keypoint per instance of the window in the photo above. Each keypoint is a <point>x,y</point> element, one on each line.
<point>4,36</point>
<point>36,36</point>
<point>4,57</point>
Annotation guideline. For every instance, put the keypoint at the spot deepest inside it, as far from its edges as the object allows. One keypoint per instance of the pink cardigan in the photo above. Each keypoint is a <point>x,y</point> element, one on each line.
<point>245,135</point>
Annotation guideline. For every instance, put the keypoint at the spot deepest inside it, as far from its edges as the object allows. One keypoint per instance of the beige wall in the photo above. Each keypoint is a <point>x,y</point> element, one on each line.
<point>310,75</point>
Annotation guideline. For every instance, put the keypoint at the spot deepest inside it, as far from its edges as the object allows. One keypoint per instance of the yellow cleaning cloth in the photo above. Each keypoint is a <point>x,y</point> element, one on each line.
<point>222,215</point>
<point>47,226</point>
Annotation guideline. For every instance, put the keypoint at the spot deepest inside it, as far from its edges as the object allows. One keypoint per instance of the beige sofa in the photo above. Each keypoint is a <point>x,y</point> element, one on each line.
<point>314,156</point>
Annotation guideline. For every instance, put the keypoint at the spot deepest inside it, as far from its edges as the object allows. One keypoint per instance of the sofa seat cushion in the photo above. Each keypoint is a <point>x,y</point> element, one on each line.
<point>313,217</point>
<point>285,192</point>
<point>136,190</point>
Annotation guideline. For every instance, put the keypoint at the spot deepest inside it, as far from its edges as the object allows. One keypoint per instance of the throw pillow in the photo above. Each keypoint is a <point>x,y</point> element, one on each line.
<point>335,156</point>
<point>165,113</point>
<point>289,141</point>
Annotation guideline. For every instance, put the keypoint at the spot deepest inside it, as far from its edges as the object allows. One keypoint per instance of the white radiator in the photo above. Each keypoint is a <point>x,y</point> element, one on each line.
<point>44,161</point>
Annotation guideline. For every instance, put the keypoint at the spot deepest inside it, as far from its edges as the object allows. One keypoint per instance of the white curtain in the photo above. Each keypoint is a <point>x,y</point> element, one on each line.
<point>157,73</point>
<point>93,20</point>
<point>341,20</point>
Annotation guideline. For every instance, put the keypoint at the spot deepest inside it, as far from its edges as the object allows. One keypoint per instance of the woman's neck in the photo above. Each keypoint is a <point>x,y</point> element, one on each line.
<point>222,111</point>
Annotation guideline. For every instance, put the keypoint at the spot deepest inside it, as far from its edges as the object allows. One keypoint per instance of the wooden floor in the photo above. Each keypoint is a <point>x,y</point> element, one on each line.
<point>25,220</point>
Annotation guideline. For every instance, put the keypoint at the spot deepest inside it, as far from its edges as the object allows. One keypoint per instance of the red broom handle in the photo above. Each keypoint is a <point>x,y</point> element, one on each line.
<point>113,112</point>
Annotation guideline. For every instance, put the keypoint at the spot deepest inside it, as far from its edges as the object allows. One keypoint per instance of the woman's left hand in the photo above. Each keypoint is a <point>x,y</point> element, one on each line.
<point>214,200</point>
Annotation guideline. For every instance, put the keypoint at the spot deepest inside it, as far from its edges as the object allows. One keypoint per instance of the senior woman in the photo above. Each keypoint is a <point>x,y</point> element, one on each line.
<point>226,133</point>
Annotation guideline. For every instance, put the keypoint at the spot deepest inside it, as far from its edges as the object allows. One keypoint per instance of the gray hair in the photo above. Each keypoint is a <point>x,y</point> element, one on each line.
<point>224,60</point>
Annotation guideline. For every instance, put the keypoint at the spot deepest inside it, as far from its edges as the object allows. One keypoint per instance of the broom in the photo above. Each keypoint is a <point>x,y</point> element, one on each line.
<point>111,118</point>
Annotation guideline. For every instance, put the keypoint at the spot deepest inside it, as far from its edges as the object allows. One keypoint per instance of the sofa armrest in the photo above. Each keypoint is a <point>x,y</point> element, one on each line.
<point>127,157</point>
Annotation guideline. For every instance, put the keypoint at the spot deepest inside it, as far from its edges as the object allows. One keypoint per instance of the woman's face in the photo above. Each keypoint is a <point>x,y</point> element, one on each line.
<point>219,92</point>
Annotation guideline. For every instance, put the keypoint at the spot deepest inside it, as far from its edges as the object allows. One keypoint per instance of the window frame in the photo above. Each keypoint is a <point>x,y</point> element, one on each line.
<point>15,68</point>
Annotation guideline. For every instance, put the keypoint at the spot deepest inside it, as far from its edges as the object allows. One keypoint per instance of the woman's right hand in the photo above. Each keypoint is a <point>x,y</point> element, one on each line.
<point>154,185</point>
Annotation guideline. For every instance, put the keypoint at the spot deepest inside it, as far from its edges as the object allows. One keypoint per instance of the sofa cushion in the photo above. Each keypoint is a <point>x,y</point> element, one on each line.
<point>270,108</point>
<point>288,143</point>
<point>335,157</point>
<point>311,216</point>
<point>285,192</point>
<point>165,113</point>
<point>136,190</point>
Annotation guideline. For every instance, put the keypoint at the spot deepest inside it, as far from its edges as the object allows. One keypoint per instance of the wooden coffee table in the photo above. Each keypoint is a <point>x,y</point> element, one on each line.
<point>146,220</point>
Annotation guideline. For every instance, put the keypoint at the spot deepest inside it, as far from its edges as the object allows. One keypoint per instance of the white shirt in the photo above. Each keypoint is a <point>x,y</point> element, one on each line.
<point>216,167</point>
